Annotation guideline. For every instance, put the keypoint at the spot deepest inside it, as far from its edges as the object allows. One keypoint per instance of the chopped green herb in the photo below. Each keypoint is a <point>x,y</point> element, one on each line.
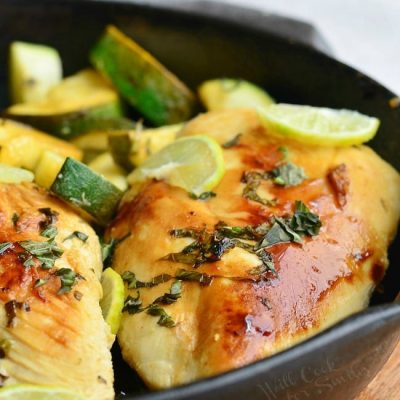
<point>194,276</point>
<point>79,235</point>
<point>50,232</point>
<point>174,294</point>
<point>107,249</point>
<point>40,282</point>
<point>5,246</point>
<point>232,142</point>
<point>253,180</point>
<point>203,196</point>
<point>27,260</point>
<point>68,279</point>
<point>130,278</point>
<point>267,265</point>
<point>132,305</point>
<point>48,226</point>
<point>303,221</point>
<point>288,175</point>
<point>207,247</point>
<point>46,252</point>
<point>165,319</point>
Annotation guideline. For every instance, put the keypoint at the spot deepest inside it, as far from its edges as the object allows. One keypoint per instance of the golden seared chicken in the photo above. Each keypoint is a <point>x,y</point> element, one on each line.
<point>51,328</point>
<point>295,239</point>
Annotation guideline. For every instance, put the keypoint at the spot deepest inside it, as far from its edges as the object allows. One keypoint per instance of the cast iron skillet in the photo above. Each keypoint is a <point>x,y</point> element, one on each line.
<point>198,41</point>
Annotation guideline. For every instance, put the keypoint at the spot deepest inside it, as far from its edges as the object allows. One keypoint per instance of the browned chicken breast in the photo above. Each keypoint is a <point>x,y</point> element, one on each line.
<point>295,240</point>
<point>51,328</point>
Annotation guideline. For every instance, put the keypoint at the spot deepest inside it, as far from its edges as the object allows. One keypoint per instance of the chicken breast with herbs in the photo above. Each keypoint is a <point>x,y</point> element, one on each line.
<point>51,328</point>
<point>294,240</point>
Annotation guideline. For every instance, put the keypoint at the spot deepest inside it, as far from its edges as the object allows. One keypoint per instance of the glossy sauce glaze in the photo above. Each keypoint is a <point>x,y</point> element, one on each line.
<point>240,317</point>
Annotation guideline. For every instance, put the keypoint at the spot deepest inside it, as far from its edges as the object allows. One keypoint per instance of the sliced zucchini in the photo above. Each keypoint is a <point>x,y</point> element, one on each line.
<point>85,189</point>
<point>14,175</point>
<point>95,142</point>
<point>49,166</point>
<point>131,148</point>
<point>105,165</point>
<point>34,69</point>
<point>74,106</point>
<point>221,94</point>
<point>22,146</point>
<point>145,83</point>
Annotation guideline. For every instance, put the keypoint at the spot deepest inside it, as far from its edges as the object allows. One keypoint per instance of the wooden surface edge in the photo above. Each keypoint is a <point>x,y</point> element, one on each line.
<point>386,384</point>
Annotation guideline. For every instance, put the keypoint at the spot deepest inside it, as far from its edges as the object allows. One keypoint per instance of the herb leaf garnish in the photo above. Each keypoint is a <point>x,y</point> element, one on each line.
<point>165,319</point>
<point>288,175</point>
<point>5,246</point>
<point>253,179</point>
<point>232,142</point>
<point>46,252</point>
<point>79,235</point>
<point>202,196</point>
<point>68,279</point>
<point>210,247</point>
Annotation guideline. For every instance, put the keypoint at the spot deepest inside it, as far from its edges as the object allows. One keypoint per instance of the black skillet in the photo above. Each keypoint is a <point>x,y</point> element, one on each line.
<point>199,40</point>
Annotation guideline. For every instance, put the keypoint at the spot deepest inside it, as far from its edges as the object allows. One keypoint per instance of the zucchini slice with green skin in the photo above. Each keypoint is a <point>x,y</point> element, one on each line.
<point>22,146</point>
<point>221,94</point>
<point>85,189</point>
<point>145,83</point>
<point>34,69</point>
<point>95,142</point>
<point>130,148</point>
<point>77,104</point>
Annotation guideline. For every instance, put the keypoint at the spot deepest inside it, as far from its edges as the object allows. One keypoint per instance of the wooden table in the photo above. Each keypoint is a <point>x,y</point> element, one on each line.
<point>386,385</point>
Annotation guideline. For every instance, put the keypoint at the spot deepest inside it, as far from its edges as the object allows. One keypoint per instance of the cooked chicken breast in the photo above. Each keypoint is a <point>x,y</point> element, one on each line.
<point>51,328</point>
<point>241,316</point>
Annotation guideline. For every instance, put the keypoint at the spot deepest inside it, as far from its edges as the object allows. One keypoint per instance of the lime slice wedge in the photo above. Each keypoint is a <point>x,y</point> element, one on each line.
<point>319,126</point>
<point>194,163</point>
<point>112,301</point>
<point>10,174</point>
<point>35,392</point>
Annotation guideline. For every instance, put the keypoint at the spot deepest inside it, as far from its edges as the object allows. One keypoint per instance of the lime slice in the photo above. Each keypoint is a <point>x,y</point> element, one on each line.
<point>35,392</point>
<point>194,163</point>
<point>112,301</point>
<point>320,126</point>
<point>10,174</point>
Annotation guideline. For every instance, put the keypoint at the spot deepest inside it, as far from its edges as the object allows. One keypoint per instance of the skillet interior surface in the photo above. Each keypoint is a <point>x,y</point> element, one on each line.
<point>199,43</point>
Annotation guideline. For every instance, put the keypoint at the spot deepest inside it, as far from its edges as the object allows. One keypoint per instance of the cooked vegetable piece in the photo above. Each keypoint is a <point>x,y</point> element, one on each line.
<point>82,187</point>
<point>49,166</point>
<point>221,94</point>
<point>14,175</point>
<point>22,146</point>
<point>77,104</point>
<point>105,165</point>
<point>112,301</point>
<point>144,82</point>
<point>194,163</point>
<point>130,148</point>
<point>95,142</point>
<point>34,69</point>
<point>319,125</point>
<point>32,392</point>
